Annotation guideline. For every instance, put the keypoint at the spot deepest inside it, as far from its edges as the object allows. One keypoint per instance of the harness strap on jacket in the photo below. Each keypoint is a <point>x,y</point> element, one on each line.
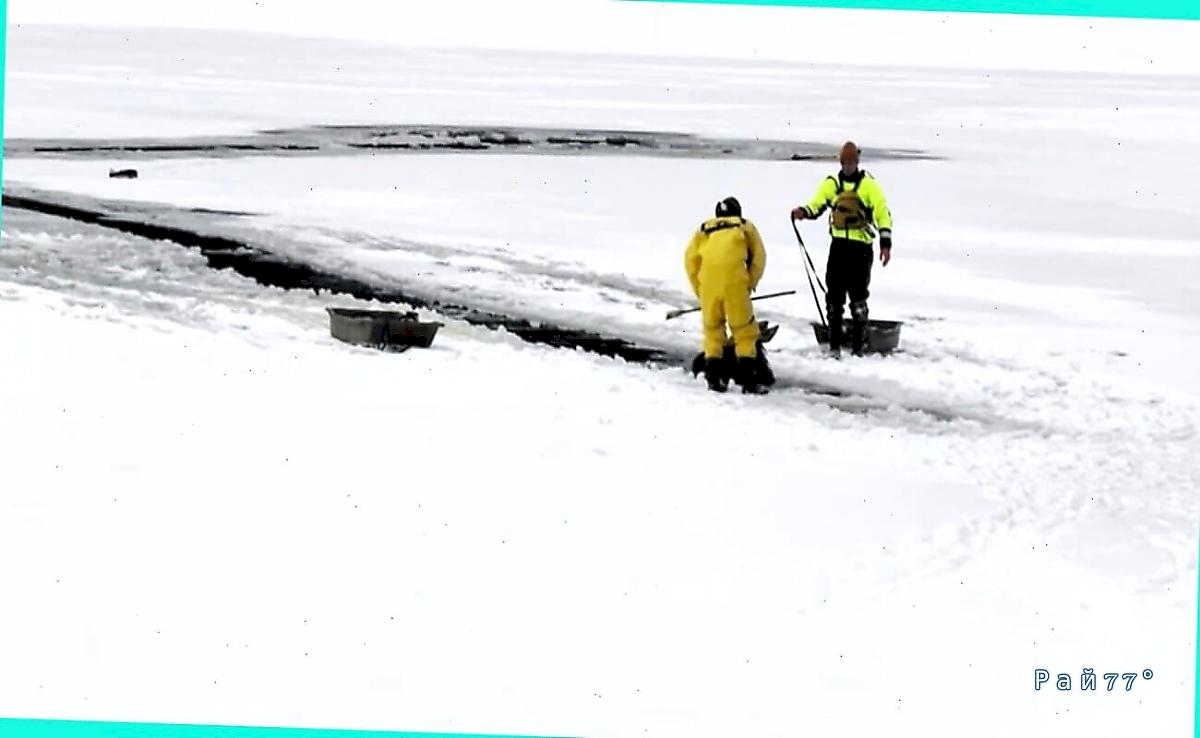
<point>709,229</point>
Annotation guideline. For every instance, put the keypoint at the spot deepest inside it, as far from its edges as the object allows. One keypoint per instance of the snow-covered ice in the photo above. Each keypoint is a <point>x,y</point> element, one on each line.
<point>219,514</point>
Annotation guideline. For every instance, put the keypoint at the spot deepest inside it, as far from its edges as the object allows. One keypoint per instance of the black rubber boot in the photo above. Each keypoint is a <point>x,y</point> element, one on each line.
<point>858,337</point>
<point>714,374</point>
<point>766,375</point>
<point>835,336</point>
<point>748,376</point>
<point>858,331</point>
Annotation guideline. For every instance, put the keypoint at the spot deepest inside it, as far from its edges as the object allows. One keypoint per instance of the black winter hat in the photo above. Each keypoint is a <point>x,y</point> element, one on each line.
<point>729,207</point>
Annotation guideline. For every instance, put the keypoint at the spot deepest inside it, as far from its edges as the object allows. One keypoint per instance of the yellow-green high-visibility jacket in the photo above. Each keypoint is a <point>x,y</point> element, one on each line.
<point>871,194</point>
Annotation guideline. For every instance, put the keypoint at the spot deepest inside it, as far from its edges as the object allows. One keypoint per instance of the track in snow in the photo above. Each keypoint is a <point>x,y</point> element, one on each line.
<point>268,269</point>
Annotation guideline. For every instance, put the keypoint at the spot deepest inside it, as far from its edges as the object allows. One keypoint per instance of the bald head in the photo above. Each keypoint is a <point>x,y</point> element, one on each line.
<point>849,157</point>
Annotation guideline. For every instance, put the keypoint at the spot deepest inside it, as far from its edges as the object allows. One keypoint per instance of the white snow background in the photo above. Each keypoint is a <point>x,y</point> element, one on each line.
<point>212,512</point>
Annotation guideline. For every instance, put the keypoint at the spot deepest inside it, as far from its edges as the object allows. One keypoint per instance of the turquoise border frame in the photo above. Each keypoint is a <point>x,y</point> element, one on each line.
<point>26,728</point>
<point>1139,9</point>
<point>3,77</point>
<point>1154,9</point>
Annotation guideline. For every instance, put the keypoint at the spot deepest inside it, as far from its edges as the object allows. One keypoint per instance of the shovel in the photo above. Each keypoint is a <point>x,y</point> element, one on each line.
<point>676,313</point>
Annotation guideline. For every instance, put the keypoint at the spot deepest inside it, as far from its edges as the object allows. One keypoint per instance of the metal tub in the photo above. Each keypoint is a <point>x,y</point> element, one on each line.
<point>883,336</point>
<point>380,328</point>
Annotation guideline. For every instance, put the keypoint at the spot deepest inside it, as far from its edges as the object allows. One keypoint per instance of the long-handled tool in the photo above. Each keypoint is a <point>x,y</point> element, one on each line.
<point>810,271</point>
<point>676,313</point>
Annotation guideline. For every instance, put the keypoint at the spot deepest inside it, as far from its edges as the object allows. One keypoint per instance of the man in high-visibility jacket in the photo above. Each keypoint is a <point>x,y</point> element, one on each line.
<point>724,262</point>
<point>857,208</point>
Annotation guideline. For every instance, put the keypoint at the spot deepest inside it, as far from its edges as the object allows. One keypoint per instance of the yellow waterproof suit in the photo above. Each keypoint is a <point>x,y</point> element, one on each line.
<point>725,261</point>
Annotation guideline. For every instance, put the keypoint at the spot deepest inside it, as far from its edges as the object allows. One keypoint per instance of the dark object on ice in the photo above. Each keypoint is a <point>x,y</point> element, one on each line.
<point>753,375</point>
<point>383,329</point>
<point>122,174</point>
<point>883,336</point>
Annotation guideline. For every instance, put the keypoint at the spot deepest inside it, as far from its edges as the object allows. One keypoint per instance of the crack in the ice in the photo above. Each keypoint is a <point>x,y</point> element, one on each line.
<point>270,270</point>
<point>423,138</point>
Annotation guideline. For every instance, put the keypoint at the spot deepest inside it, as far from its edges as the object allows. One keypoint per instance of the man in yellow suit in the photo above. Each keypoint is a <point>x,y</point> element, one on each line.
<point>857,208</point>
<point>724,262</point>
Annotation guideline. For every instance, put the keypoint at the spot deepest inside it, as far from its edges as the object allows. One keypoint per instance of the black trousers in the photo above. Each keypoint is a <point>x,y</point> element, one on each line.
<point>848,275</point>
